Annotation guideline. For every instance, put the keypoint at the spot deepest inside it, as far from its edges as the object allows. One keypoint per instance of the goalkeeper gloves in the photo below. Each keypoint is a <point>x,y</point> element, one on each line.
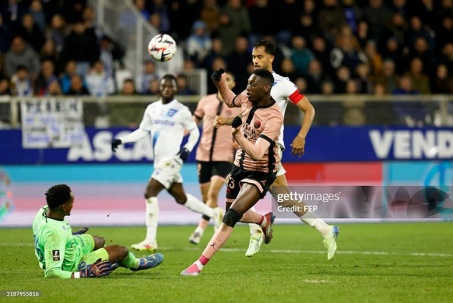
<point>81,231</point>
<point>98,269</point>
<point>184,153</point>
<point>115,144</point>
<point>237,121</point>
<point>217,74</point>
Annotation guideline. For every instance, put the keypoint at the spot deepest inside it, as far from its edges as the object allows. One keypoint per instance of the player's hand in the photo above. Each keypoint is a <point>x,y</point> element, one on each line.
<point>298,146</point>
<point>217,74</point>
<point>184,154</point>
<point>81,231</point>
<point>219,121</point>
<point>237,122</point>
<point>115,144</point>
<point>98,269</point>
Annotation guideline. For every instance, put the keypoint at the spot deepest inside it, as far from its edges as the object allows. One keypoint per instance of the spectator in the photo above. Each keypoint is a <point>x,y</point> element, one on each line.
<point>37,12</point>
<point>444,32</point>
<point>301,84</point>
<point>440,83</point>
<point>12,12</point>
<point>388,78</point>
<point>49,52</point>
<point>21,83</point>
<point>184,89</point>
<point>374,58</point>
<point>315,77</point>
<point>148,74</point>
<point>289,70</point>
<point>160,7</point>
<point>21,54</point>
<point>238,62</point>
<point>153,87</point>
<point>395,52</point>
<point>209,13</point>
<point>446,57</point>
<point>307,26</point>
<point>80,39</point>
<point>199,43</point>
<point>330,19</point>
<point>418,30</point>
<point>363,79</point>
<point>99,83</point>
<point>363,33</point>
<point>70,70</point>
<point>396,28</point>
<point>77,87</point>
<point>419,80</point>
<point>128,113</point>
<point>110,53</point>
<point>234,22</point>
<point>321,51</point>
<point>377,14</point>
<point>352,13</point>
<point>260,13</point>
<point>342,76</point>
<point>5,87</point>
<point>301,56</point>
<point>216,51</point>
<point>57,31</point>
<point>54,89</point>
<point>347,52</point>
<point>31,32</point>
<point>45,78</point>
<point>5,36</point>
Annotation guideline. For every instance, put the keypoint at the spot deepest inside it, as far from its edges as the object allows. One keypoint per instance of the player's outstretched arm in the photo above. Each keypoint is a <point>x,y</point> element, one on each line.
<point>227,94</point>
<point>136,135</point>
<point>298,144</point>
<point>222,121</point>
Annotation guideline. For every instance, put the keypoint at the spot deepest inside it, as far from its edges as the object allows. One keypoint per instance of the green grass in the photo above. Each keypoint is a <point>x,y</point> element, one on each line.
<point>411,262</point>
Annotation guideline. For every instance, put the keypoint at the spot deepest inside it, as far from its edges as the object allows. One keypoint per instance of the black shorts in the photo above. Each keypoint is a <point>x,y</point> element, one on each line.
<point>238,176</point>
<point>215,168</point>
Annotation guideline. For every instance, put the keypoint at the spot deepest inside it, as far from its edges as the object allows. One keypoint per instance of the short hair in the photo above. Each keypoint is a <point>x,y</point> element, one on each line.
<point>169,77</point>
<point>269,46</point>
<point>264,74</point>
<point>57,195</point>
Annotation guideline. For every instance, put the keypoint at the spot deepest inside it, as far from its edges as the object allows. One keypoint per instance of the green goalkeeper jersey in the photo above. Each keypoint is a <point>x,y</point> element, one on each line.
<point>57,250</point>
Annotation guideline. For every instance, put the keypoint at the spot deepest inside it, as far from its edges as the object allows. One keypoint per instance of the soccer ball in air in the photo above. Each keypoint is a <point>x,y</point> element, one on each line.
<point>162,47</point>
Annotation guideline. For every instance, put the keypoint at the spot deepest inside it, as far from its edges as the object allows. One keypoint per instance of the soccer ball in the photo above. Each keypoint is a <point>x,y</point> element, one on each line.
<point>162,47</point>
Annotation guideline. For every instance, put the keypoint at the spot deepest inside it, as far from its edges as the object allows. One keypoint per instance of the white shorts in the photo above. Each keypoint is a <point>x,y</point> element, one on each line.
<point>168,172</point>
<point>281,171</point>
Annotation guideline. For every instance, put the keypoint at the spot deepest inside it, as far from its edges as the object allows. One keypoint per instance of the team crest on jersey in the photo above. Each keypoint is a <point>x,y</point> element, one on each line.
<point>171,112</point>
<point>257,124</point>
<point>56,255</point>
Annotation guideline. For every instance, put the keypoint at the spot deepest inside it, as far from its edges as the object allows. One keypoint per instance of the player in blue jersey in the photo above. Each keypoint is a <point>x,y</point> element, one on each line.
<point>66,255</point>
<point>164,123</point>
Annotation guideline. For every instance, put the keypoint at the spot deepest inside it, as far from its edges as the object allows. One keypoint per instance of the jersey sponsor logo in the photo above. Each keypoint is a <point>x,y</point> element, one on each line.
<point>56,255</point>
<point>171,112</point>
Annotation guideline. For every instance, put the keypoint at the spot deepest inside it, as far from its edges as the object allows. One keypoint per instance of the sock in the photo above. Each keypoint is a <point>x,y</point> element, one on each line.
<point>130,261</point>
<point>196,205</point>
<point>317,223</point>
<point>203,224</point>
<point>251,217</point>
<point>218,239</point>
<point>254,228</point>
<point>152,217</point>
<point>202,261</point>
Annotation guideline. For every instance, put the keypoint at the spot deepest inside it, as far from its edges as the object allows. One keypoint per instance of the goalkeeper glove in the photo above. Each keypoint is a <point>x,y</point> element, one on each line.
<point>217,74</point>
<point>81,231</point>
<point>115,144</point>
<point>184,153</point>
<point>237,121</point>
<point>98,269</point>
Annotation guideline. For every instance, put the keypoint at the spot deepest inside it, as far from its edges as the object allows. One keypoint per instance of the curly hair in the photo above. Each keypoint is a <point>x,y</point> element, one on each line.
<point>57,195</point>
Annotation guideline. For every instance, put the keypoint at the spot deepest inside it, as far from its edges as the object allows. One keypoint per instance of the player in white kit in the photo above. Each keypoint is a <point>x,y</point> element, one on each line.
<point>284,91</point>
<point>164,123</point>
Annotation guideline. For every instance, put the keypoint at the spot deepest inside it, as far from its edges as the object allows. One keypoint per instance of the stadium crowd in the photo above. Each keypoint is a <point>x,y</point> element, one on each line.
<point>53,47</point>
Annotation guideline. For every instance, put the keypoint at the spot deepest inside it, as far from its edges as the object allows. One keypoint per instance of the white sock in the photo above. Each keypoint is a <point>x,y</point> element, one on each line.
<point>199,230</point>
<point>254,228</point>
<point>199,265</point>
<point>317,223</point>
<point>152,217</point>
<point>197,206</point>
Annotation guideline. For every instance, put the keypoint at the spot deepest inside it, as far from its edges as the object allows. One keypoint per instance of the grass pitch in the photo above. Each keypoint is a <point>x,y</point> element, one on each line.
<point>405,262</point>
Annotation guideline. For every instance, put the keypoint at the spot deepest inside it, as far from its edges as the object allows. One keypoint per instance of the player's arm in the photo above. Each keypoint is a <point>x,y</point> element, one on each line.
<point>136,135</point>
<point>256,151</point>
<point>54,250</point>
<point>298,144</point>
<point>229,97</point>
<point>194,135</point>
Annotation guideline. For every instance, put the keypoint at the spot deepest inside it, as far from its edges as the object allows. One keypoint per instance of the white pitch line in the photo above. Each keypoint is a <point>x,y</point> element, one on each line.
<point>284,251</point>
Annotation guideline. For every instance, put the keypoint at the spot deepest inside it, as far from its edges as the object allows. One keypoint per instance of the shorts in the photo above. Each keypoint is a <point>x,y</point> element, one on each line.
<point>280,171</point>
<point>215,168</point>
<point>168,172</point>
<point>261,180</point>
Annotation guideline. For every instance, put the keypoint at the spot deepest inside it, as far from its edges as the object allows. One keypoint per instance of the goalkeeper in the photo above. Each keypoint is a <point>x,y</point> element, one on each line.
<point>66,255</point>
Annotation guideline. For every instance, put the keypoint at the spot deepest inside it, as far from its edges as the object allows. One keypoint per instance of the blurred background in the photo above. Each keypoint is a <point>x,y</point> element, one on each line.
<point>76,73</point>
